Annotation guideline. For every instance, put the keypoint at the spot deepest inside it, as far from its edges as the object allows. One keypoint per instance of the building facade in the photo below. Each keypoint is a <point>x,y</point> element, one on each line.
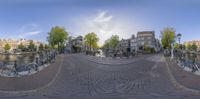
<point>124,45</point>
<point>133,43</point>
<point>75,45</point>
<point>14,43</point>
<point>145,39</point>
<point>196,42</point>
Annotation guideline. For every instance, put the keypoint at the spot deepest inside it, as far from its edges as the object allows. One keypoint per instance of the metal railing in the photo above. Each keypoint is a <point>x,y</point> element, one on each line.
<point>29,64</point>
<point>187,59</point>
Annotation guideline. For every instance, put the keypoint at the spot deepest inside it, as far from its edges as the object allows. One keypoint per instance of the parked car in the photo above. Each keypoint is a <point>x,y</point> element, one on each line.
<point>167,52</point>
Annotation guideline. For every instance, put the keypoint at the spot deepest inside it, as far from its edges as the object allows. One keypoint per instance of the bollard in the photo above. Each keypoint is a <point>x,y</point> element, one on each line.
<point>15,67</point>
<point>36,60</point>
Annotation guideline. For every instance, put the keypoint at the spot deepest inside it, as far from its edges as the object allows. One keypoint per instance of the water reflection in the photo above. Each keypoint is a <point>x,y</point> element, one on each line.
<point>21,59</point>
<point>189,56</point>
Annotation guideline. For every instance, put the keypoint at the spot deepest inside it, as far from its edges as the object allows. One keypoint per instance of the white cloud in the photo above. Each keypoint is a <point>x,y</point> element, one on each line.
<point>29,30</point>
<point>102,24</point>
<point>32,33</point>
<point>102,17</point>
<point>105,25</point>
<point>28,27</point>
<point>27,34</point>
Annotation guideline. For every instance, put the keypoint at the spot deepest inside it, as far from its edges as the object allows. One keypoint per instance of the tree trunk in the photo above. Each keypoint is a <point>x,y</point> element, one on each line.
<point>59,47</point>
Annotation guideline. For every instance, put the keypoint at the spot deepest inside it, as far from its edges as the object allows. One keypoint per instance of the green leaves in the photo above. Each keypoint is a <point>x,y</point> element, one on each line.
<point>194,47</point>
<point>176,46</point>
<point>168,37</point>
<point>7,47</point>
<point>91,40</point>
<point>112,42</point>
<point>57,36</point>
<point>21,46</point>
<point>31,45</point>
<point>41,47</point>
<point>191,47</point>
<point>46,46</point>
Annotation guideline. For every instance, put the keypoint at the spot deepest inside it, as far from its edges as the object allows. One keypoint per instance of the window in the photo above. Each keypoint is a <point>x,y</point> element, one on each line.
<point>149,42</point>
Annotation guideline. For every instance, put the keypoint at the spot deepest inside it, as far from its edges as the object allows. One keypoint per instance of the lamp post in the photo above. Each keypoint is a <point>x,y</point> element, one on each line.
<point>179,37</point>
<point>172,51</point>
<point>179,40</point>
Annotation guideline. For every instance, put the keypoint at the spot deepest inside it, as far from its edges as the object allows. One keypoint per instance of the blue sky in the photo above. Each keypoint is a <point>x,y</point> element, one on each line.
<point>33,19</point>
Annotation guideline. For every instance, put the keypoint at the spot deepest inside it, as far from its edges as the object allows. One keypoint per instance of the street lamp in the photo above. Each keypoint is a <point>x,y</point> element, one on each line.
<point>172,45</point>
<point>172,51</point>
<point>179,37</point>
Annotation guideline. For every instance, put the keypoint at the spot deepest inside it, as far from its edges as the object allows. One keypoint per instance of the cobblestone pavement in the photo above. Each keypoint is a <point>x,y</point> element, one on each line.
<point>185,78</point>
<point>82,79</point>
<point>113,61</point>
<point>31,82</point>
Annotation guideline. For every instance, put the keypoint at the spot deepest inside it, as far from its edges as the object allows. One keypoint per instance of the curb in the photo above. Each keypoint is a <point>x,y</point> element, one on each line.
<point>103,63</point>
<point>137,59</point>
<point>112,63</point>
<point>34,90</point>
<point>176,84</point>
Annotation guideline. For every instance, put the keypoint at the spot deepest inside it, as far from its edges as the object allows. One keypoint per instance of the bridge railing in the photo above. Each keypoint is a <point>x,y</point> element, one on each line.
<point>28,64</point>
<point>187,59</point>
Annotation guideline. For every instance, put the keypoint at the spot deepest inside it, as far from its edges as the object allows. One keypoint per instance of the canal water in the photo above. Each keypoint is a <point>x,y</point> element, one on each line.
<point>21,59</point>
<point>190,57</point>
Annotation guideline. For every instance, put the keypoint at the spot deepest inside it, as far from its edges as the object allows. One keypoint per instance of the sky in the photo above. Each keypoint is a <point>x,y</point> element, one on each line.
<point>33,19</point>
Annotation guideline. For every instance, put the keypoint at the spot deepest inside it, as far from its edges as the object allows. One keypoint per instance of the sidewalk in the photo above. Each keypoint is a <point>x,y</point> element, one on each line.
<point>183,77</point>
<point>31,82</point>
<point>113,61</point>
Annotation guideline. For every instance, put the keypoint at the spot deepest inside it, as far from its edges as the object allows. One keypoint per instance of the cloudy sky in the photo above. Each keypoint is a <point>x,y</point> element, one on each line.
<point>32,19</point>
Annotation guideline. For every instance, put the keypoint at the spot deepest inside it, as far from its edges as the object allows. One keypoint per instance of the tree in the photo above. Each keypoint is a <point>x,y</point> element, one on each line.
<point>7,47</point>
<point>183,46</point>
<point>189,47</point>
<point>168,37</point>
<point>91,40</point>
<point>176,46</point>
<point>57,36</point>
<point>194,47</point>
<point>31,45</point>
<point>106,44</point>
<point>21,46</point>
<point>46,46</point>
<point>112,42</point>
<point>41,47</point>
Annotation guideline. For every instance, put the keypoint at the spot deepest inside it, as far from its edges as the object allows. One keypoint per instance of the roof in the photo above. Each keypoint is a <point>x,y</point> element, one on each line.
<point>146,32</point>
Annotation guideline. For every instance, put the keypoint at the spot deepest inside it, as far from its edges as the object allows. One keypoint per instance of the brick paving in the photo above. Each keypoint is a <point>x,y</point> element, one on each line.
<point>82,79</point>
<point>32,81</point>
<point>114,61</point>
<point>187,79</point>
<point>145,78</point>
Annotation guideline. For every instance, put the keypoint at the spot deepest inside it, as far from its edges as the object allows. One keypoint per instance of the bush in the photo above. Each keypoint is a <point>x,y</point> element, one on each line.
<point>153,50</point>
<point>149,50</point>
